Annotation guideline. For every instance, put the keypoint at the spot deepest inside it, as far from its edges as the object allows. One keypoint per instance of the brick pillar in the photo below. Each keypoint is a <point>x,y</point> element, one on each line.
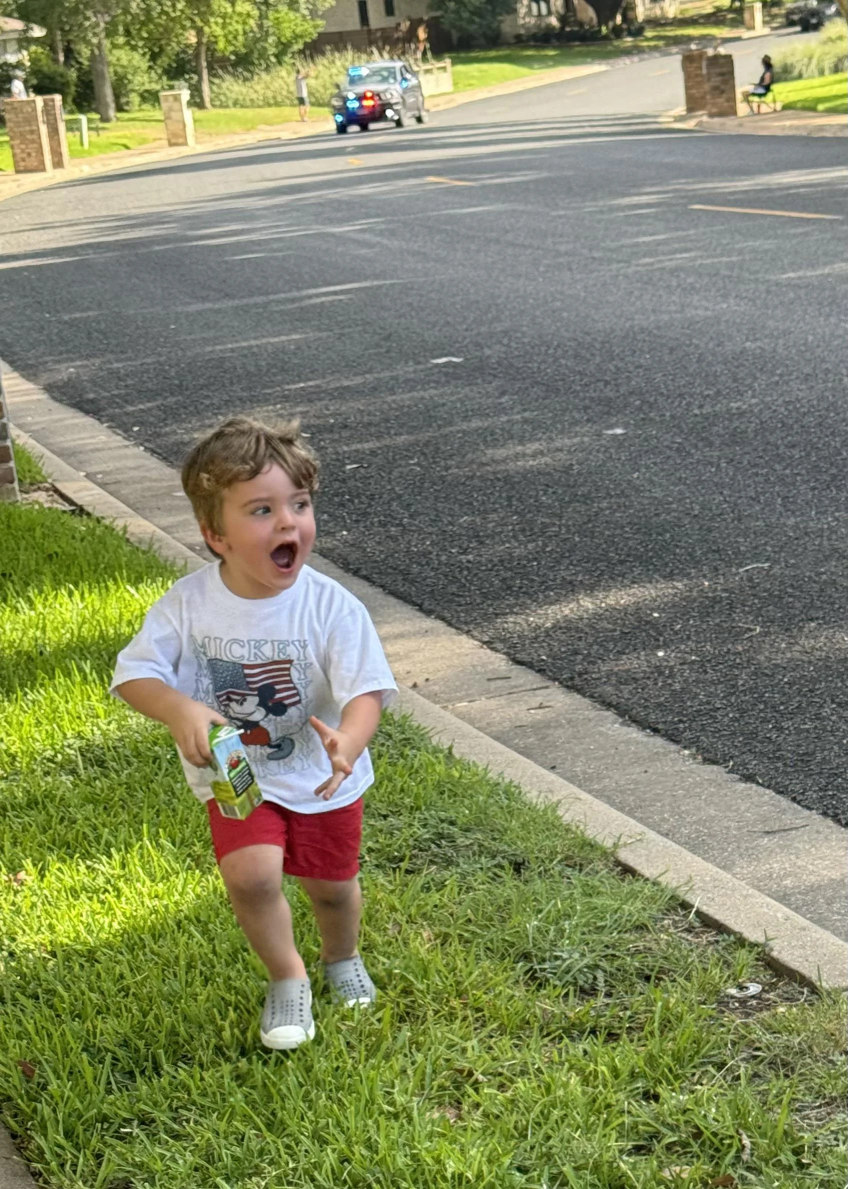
<point>8,476</point>
<point>694,80</point>
<point>752,14</point>
<point>721,85</point>
<point>179,124</point>
<point>54,118</point>
<point>28,135</point>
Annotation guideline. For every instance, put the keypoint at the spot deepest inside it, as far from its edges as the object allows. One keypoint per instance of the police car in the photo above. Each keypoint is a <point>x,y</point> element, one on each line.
<point>378,93</point>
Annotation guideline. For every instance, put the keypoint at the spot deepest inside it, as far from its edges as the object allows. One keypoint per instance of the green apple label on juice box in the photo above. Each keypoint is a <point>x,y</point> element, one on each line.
<point>234,786</point>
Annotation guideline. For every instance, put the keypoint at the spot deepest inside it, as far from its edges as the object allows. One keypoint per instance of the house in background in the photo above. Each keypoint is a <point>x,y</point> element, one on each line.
<point>13,38</point>
<point>384,24</point>
<point>372,24</point>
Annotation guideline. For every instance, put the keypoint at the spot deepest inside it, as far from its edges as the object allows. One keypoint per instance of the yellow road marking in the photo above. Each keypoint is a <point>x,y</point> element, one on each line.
<point>582,91</point>
<point>353,161</point>
<point>657,73</point>
<point>449,181</point>
<point>753,210</point>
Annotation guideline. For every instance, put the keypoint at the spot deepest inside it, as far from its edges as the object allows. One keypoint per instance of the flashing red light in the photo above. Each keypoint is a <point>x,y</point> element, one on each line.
<point>368,99</point>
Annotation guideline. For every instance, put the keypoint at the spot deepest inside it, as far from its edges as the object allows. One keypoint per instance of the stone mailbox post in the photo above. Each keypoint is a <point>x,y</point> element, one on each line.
<point>694,80</point>
<point>753,16</point>
<point>179,124</point>
<point>709,83</point>
<point>721,85</point>
<point>57,137</point>
<point>27,128</point>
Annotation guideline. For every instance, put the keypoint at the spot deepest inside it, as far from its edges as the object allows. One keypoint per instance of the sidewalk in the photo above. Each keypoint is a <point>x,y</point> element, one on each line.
<point>752,861</point>
<point>778,123</point>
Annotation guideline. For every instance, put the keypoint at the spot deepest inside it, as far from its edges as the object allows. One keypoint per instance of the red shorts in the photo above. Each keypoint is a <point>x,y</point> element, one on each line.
<point>314,845</point>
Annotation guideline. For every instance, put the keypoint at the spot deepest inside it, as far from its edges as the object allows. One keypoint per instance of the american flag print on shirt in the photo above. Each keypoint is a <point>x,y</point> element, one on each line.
<point>232,680</point>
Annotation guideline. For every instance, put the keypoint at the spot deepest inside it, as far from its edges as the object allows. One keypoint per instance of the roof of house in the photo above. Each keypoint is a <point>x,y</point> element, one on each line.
<point>9,25</point>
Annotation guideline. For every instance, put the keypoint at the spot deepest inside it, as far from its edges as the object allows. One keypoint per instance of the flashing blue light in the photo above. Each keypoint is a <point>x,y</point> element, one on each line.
<point>358,71</point>
<point>404,82</point>
<point>339,118</point>
<point>352,104</point>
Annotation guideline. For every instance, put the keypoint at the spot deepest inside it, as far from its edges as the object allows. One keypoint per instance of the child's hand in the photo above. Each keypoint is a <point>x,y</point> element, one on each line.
<point>342,752</point>
<point>189,723</point>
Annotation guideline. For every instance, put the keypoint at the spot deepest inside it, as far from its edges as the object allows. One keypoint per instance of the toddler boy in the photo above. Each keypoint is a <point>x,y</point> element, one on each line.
<point>261,640</point>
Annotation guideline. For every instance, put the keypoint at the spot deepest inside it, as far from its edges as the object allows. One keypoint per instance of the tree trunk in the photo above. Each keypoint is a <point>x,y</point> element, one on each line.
<point>58,45</point>
<point>104,96</point>
<point>203,71</point>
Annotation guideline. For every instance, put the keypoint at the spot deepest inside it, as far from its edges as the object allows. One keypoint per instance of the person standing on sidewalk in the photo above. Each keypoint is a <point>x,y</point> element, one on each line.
<point>301,90</point>
<point>259,639</point>
<point>17,89</point>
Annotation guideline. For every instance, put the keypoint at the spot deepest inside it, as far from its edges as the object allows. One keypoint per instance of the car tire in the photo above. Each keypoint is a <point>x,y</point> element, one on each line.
<point>364,127</point>
<point>341,129</point>
<point>423,115</point>
<point>401,121</point>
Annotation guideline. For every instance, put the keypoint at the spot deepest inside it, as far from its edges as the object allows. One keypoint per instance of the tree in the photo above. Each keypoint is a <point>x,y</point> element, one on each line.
<point>606,11</point>
<point>260,32</point>
<point>473,22</point>
<point>85,26</point>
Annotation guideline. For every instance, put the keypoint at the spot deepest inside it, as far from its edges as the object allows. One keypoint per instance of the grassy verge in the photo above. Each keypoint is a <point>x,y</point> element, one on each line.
<point>544,1021</point>
<point>28,467</point>
<point>485,68</point>
<point>828,94</point>
<point>140,129</point>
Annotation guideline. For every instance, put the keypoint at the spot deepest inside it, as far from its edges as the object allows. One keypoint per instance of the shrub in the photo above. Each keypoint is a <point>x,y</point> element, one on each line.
<point>135,82</point>
<point>828,54</point>
<point>46,77</point>
<point>275,87</point>
<point>473,22</point>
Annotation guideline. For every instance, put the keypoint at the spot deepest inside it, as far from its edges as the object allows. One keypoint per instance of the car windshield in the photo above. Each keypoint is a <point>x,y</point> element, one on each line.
<point>377,76</point>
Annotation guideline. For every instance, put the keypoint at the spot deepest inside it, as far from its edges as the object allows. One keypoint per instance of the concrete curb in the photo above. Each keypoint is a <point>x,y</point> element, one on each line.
<point>14,1173</point>
<point>13,184</point>
<point>792,944</point>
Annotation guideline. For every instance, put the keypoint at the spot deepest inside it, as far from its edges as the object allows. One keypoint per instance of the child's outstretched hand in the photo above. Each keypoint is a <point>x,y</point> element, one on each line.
<point>342,752</point>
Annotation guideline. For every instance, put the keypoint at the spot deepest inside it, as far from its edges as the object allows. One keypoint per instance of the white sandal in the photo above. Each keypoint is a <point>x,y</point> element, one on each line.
<point>287,1017</point>
<point>350,983</point>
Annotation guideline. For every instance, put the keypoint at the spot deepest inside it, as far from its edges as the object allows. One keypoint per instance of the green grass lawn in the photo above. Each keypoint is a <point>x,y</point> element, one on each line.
<point>828,94</point>
<point>135,130</point>
<point>485,68</point>
<point>544,1022</point>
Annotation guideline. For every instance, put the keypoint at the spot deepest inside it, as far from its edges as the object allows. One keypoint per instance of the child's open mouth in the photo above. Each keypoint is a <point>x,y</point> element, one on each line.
<point>283,557</point>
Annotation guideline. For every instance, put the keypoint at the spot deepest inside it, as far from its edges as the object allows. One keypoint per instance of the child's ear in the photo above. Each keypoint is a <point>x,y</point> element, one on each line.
<point>214,540</point>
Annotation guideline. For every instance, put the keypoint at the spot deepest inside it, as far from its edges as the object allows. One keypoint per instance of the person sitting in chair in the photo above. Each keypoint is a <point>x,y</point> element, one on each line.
<point>763,87</point>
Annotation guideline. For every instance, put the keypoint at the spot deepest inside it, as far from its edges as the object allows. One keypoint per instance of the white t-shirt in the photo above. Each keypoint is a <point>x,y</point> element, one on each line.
<point>267,665</point>
<point>300,88</point>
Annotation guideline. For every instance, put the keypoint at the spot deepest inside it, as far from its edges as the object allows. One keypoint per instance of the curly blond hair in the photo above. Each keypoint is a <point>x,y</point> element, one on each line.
<point>239,450</point>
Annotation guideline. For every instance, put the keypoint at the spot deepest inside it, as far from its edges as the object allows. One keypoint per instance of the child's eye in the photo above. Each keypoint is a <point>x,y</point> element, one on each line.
<point>301,505</point>
<point>263,510</point>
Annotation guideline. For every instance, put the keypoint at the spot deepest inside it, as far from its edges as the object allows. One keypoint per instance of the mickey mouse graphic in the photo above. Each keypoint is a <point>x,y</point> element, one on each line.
<point>255,697</point>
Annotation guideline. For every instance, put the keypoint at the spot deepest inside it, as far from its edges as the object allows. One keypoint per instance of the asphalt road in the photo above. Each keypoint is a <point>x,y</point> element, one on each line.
<point>563,399</point>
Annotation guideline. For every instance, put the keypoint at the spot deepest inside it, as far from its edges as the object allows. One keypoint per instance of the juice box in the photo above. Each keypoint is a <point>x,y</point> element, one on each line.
<point>234,786</point>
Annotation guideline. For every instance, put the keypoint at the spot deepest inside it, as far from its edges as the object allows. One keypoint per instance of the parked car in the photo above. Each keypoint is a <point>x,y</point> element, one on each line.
<point>810,14</point>
<point>378,92</point>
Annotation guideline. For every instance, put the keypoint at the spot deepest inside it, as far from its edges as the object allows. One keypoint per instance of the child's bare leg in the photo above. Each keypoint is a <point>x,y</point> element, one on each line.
<point>338,908</point>
<point>253,877</point>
